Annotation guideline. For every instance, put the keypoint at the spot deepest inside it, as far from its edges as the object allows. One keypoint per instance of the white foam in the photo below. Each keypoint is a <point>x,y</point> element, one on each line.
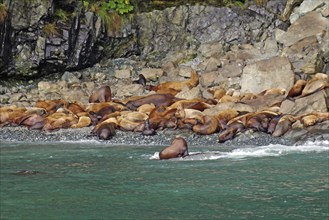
<point>273,150</point>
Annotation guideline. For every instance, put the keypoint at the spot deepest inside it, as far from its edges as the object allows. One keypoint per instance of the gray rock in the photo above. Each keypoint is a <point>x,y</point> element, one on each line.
<point>152,74</point>
<point>123,74</point>
<point>304,27</point>
<point>313,103</point>
<point>265,74</point>
<point>305,7</point>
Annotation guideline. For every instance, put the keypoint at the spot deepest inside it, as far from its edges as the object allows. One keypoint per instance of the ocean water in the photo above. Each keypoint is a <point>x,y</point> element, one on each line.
<point>93,181</point>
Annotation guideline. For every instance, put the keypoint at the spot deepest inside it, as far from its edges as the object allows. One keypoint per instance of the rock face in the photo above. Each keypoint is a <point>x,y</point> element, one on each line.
<point>34,41</point>
<point>265,74</point>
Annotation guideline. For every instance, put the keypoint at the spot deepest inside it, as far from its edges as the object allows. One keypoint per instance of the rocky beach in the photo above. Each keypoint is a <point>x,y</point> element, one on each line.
<point>247,60</point>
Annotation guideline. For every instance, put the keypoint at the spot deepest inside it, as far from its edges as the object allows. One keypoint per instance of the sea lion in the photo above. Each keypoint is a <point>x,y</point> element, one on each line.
<point>318,82</point>
<point>297,88</point>
<point>102,94</point>
<point>283,125</point>
<point>231,131</point>
<point>31,121</point>
<point>84,121</point>
<point>156,99</point>
<point>209,126</point>
<point>177,86</point>
<point>314,118</point>
<point>178,148</point>
<point>105,131</point>
<point>141,80</point>
<point>51,106</point>
<point>223,117</point>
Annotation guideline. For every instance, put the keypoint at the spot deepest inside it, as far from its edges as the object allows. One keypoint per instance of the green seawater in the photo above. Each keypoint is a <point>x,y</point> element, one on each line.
<point>95,181</point>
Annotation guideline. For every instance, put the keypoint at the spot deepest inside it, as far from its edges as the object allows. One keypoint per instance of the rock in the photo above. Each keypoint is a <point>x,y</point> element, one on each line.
<point>4,99</point>
<point>325,11</point>
<point>289,8</point>
<point>231,70</point>
<point>305,55</point>
<point>211,64</point>
<point>304,27</point>
<point>76,95</point>
<point>193,93</point>
<point>265,74</point>
<point>124,91</point>
<point>185,71</point>
<point>214,50</point>
<point>209,79</point>
<point>305,7</point>
<point>70,78</point>
<point>123,74</point>
<point>313,103</point>
<point>47,87</point>
<point>151,74</point>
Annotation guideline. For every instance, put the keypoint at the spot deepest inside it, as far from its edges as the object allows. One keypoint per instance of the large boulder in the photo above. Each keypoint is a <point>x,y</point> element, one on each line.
<point>265,74</point>
<point>313,103</point>
<point>304,27</point>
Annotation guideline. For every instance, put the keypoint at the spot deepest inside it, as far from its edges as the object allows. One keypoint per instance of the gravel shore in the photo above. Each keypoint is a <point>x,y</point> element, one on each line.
<point>21,134</point>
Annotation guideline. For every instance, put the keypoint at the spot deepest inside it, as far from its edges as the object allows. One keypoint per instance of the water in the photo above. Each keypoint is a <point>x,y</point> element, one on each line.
<point>92,181</point>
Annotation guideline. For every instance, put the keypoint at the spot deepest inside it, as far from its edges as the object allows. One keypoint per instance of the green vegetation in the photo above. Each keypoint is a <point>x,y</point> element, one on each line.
<point>61,14</point>
<point>109,11</point>
<point>3,12</point>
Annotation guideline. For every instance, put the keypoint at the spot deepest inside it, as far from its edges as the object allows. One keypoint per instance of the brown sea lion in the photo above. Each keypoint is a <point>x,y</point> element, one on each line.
<point>223,117</point>
<point>177,86</point>
<point>51,106</point>
<point>156,99</point>
<point>314,118</point>
<point>141,80</point>
<point>31,121</point>
<point>318,82</point>
<point>209,126</point>
<point>296,89</point>
<point>231,131</point>
<point>102,94</point>
<point>283,125</point>
<point>105,131</point>
<point>178,148</point>
<point>84,121</point>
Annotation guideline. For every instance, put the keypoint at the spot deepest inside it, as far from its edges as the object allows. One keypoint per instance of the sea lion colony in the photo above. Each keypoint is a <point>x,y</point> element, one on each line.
<point>162,110</point>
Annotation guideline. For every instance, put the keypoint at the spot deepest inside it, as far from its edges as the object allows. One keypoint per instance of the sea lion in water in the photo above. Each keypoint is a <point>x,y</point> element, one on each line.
<point>178,148</point>
<point>102,94</point>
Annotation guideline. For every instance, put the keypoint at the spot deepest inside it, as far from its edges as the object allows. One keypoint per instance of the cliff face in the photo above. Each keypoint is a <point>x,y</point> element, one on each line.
<point>35,42</point>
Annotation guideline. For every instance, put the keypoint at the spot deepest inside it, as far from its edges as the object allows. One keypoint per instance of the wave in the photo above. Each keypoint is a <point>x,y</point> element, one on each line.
<point>272,150</point>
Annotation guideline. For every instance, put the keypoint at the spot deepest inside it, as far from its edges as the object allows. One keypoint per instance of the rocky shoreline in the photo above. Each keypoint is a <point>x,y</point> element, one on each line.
<point>319,132</point>
<point>242,87</point>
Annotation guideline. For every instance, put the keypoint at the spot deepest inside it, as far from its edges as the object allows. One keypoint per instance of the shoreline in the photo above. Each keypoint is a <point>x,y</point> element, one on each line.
<point>162,138</point>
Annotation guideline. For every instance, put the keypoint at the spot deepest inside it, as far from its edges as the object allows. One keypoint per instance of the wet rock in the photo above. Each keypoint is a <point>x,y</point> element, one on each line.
<point>4,99</point>
<point>255,77</point>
